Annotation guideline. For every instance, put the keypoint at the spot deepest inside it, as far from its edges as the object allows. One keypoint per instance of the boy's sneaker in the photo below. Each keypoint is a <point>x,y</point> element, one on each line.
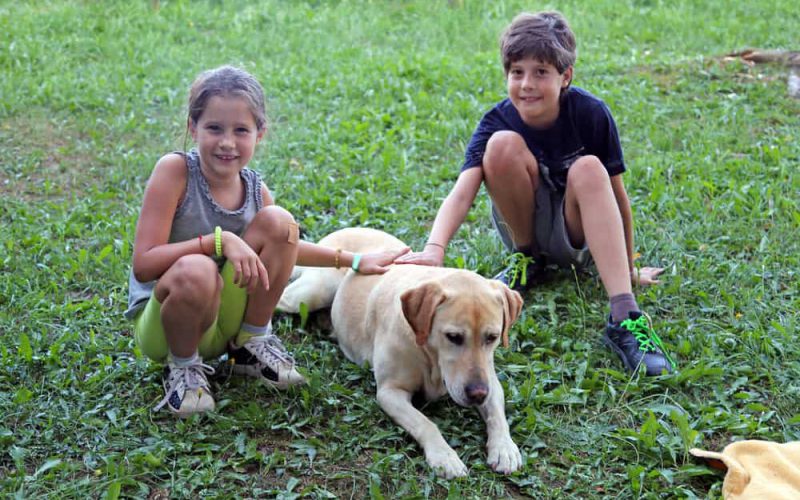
<point>265,358</point>
<point>187,389</point>
<point>521,272</point>
<point>636,344</point>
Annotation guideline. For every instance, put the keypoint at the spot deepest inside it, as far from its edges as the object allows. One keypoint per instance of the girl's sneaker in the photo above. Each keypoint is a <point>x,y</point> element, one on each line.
<point>265,358</point>
<point>637,344</point>
<point>187,389</point>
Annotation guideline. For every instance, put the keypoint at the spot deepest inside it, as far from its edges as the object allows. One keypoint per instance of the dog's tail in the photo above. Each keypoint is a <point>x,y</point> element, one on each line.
<point>313,286</point>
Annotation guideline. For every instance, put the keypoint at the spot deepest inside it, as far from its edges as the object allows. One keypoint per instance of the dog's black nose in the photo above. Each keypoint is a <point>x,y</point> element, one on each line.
<point>477,392</point>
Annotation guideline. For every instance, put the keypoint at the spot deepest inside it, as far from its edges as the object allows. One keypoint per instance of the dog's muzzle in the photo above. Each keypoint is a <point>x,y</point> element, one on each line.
<point>476,393</point>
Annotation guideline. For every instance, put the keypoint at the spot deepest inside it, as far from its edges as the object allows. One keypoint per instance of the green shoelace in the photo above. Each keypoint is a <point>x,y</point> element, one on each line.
<point>648,340</point>
<point>517,268</point>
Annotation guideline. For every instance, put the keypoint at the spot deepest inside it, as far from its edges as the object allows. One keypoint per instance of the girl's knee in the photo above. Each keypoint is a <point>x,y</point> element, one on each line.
<point>192,278</point>
<point>588,172</point>
<point>275,224</point>
<point>507,155</point>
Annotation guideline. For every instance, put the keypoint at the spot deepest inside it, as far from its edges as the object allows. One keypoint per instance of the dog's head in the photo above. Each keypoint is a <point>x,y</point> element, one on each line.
<point>461,318</point>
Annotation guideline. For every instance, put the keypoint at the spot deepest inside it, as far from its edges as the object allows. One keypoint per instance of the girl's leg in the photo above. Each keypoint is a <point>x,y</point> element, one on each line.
<point>256,351</point>
<point>273,235</point>
<point>511,175</point>
<point>189,296</point>
<point>592,215</point>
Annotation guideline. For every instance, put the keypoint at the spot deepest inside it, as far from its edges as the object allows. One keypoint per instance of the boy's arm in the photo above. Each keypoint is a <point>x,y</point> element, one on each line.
<point>645,275</point>
<point>448,219</point>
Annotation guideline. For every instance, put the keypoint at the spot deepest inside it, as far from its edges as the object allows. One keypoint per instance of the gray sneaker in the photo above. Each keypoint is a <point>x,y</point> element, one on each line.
<point>264,357</point>
<point>187,390</point>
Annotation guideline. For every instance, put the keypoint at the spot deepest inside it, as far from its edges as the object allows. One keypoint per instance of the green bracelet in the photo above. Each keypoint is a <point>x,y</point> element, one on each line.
<point>218,241</point>
<point>356,261</point>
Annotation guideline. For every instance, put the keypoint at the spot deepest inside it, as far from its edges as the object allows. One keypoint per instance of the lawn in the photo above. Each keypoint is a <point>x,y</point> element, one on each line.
<point>371,104</point>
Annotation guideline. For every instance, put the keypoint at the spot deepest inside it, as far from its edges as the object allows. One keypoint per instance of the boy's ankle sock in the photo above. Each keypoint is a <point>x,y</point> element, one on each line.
<point>181,362</point>
<point>621,305</point>
<point>248,331</point>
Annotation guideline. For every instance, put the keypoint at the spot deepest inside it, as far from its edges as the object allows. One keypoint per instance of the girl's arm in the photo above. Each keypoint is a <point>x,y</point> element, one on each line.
<point>644,275</point>
<point>313,255</point>
<point>448,219</point>
<point>152,255</point>
<point>266,196</point>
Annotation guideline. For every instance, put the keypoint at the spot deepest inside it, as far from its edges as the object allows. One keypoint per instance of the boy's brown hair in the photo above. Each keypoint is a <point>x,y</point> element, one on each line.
<point>545,36</point>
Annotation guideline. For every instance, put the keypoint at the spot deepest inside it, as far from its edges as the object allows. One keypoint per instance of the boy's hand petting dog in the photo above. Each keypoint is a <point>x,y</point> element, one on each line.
<point>645,276</point>
<point>429,256</point>
<point>379,262</point>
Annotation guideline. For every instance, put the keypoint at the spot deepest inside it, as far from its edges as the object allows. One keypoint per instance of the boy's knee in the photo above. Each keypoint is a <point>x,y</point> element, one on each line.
<point>506,155</point>
<point>276,224</point>
<point>588,172</point>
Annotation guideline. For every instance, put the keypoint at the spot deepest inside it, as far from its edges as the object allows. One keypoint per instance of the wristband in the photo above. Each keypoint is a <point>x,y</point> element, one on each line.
<point>434,244</point>
<point>356,261</point>
<point>336,258</point>
<point>218,241</point>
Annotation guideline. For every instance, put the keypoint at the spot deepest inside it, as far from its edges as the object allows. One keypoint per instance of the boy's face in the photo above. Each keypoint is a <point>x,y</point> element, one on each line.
<point>534,88</point>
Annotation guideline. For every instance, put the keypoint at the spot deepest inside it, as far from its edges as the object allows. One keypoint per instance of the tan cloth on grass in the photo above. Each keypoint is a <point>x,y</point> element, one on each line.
<point>758,469</point>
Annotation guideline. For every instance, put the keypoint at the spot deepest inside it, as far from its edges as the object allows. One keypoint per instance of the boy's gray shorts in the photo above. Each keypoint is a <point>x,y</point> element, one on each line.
<point>552,237</point>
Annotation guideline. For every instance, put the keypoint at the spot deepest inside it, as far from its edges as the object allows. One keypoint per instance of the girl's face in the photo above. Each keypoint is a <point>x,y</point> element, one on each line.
<point>226,135</point>
<point>534,88</point>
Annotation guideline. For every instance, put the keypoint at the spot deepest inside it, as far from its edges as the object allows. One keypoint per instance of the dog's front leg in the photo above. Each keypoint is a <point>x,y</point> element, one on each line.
<point>502,453</point>
<point>440,456</point>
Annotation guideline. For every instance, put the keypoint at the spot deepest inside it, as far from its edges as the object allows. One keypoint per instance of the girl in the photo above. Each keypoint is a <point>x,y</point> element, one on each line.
<point>213,252</point>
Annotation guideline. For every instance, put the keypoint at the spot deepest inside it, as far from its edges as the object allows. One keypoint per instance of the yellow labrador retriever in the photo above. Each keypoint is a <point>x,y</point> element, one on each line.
<point>426,330</point>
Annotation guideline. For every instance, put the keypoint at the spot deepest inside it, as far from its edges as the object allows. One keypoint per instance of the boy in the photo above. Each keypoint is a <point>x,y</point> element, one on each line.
<point>552,163</point>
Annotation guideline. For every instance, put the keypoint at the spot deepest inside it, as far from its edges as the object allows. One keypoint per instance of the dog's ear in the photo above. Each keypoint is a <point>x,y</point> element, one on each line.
<point>512,306</point>
<point>419,307</point>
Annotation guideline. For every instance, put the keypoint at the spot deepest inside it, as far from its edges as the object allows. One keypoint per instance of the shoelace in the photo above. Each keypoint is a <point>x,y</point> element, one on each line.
<point>186,379</point>
<point>648,340</point>
<point>270,345</point>
<point>517,264</point>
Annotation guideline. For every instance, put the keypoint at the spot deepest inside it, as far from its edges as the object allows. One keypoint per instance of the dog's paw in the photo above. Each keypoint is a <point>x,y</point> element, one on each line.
<point>504,456</point>
<point>446,463</point>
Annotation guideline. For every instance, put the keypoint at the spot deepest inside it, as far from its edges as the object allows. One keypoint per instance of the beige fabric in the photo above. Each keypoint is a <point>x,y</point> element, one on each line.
<point>759,469</point>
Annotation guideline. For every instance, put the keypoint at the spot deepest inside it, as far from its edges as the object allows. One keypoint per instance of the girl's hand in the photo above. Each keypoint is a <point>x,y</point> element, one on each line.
<point>645,276</point>
<point>379,262</point>
<point>249,271</point>
<point>431,255</point>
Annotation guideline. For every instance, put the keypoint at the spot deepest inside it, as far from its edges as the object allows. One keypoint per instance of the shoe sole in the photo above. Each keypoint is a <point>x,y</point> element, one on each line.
<point>254,372</point>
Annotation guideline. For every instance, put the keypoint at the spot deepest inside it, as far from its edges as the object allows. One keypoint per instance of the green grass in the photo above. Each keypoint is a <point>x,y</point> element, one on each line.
<point>371,105</point>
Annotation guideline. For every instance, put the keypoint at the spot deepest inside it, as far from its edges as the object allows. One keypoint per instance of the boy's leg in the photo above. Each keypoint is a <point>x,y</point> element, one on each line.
<point>257,352</point>
<point>511,175</point>
<point>592,217</point>
<point>183,307</point>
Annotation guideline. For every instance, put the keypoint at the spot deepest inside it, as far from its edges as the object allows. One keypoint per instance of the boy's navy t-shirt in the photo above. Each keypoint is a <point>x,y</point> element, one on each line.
<point>584,127</point>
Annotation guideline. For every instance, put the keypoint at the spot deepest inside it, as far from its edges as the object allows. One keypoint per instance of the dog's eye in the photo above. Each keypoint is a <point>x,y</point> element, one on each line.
<point>490,339</point>
<point>455,338</point>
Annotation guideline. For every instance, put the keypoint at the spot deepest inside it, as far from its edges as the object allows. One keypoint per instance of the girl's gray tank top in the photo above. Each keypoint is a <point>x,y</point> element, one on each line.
<point>198,214</point>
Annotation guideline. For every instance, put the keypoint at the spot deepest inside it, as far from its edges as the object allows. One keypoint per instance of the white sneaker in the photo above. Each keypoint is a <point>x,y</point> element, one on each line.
<point>265,358</point>
<point>187,389</point>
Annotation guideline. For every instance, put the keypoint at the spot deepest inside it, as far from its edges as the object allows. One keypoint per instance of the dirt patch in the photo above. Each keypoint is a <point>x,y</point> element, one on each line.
<point>44,158</point>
